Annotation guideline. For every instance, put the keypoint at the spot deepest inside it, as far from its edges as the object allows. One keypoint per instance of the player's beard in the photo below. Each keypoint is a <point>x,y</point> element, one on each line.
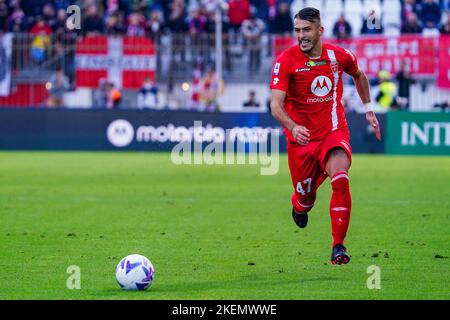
<point>310,46</point>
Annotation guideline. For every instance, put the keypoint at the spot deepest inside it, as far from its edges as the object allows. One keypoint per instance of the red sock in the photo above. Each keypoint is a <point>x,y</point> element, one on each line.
<point>340,207</point>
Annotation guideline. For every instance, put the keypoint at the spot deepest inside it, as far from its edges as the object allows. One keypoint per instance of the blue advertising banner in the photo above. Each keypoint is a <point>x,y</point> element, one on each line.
<point>44,129</point>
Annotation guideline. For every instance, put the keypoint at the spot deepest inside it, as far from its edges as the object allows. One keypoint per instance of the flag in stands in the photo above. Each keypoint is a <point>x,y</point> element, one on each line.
<point>125,61</point>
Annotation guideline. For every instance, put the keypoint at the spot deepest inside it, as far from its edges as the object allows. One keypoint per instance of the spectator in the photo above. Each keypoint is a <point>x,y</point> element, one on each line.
<point>238,12</point>
<point>136,25</point>
<point>58,85</point>
<point>430,14</point>
<point>41,41</point>
<point>178,16</point>
<point>282,22</point>
<point>211,23</point>
<point>59,27</point>
<point>430,30</point>
<point>342,29</point>
<point>198,34</point>
<point>148,95</point>
<point>113,96</point>
<point>211,29</point>
<point>272,9</point>
<point>41,27</point>
<point>113,24</point>
<point>372,24</point>
<point>93,24</point>
<point>445,29</point>
<point>155,25</point>
<point>17,21</point>
<point>194,102</point>
<point>411,24</point>
<point>197,21</point>
<point>4,16</point>
<point>62,58</point>
<point>210,89</point>
<point>49,15</point>
<point>404,81</point>
<point>387,91</point>
<point>100,95</point>
<point>252,30</point>
<point>177,26</point>
<point>111,6</point>
<point>262,7</point>
<point>147,6</point>
<point>409,6</point>
<point>63,31</point>
<point>251,102</point>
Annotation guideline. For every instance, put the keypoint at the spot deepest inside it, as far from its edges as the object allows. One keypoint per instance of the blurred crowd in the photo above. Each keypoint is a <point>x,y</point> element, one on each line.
<point>140,17</point>
<point>244,21</point>
<point>151,17</point>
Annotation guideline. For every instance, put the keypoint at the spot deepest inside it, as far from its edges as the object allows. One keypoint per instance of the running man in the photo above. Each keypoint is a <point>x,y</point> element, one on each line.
<point>306,100</point>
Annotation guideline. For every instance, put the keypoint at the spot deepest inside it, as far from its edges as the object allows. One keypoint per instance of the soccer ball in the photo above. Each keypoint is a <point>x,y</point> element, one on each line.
<point>134,272</point>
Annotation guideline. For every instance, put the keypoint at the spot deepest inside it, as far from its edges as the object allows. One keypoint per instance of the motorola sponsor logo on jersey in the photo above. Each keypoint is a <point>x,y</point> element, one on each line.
<point>321,86</point>
<point>319,100</point>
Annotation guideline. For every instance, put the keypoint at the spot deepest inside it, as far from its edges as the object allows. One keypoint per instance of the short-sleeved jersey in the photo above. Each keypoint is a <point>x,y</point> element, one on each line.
<point>314,87</point>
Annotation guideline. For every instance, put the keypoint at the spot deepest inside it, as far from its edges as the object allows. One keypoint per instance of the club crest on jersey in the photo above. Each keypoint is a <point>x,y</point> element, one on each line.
<point>312,63</point>
<point>276,69</point>
<point>321,86</point>
<point>334,67</point>
<point>275,81</point>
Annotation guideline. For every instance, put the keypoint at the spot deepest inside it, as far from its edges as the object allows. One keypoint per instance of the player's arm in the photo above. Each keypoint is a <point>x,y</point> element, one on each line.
<point>363,88</point>
<point>300,133</point>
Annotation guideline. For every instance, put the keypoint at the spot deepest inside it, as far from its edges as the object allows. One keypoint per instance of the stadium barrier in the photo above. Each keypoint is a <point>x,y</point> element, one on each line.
<point>51,129</point>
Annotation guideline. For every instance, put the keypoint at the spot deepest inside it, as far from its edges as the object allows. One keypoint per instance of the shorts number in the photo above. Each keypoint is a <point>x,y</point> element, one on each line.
<point>301,190</point>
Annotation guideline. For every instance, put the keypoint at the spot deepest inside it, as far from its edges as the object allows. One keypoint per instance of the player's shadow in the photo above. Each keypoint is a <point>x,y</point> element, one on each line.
<point>244,286</point>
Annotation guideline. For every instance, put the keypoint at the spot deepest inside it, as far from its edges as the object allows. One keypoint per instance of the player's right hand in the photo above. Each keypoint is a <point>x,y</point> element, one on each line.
<point>301,134</point>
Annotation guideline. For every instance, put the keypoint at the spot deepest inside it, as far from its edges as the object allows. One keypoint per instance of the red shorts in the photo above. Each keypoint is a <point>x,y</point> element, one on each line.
<point>307,166</point>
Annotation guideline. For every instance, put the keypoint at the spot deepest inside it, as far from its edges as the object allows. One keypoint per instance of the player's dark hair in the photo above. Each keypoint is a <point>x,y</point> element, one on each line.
<point>309,14</point>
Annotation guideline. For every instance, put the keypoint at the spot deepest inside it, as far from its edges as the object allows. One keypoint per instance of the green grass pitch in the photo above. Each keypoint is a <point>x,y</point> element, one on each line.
<point>217,232</point>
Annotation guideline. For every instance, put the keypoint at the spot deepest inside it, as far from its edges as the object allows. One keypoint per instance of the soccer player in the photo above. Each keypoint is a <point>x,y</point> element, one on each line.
<point>306,100</point>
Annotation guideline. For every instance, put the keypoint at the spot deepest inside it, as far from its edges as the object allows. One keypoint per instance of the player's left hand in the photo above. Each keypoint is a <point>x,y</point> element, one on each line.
<point>372,118</point>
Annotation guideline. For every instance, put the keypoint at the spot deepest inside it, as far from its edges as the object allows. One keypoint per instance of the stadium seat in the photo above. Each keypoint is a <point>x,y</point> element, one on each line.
<point>369,4</point>
<point>353,6</point>
<point>354,11</point>
<point>296,6</point>
<point>391,13</point>
<point>333,6</point>
<point>318,4</point>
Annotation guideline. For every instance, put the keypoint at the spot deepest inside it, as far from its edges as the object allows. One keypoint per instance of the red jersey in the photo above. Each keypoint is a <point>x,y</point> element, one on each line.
<point>314,88</point>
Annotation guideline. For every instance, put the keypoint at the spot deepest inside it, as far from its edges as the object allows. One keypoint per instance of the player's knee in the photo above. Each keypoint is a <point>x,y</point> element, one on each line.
<point>337,161</point>
<point>303,204</point>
